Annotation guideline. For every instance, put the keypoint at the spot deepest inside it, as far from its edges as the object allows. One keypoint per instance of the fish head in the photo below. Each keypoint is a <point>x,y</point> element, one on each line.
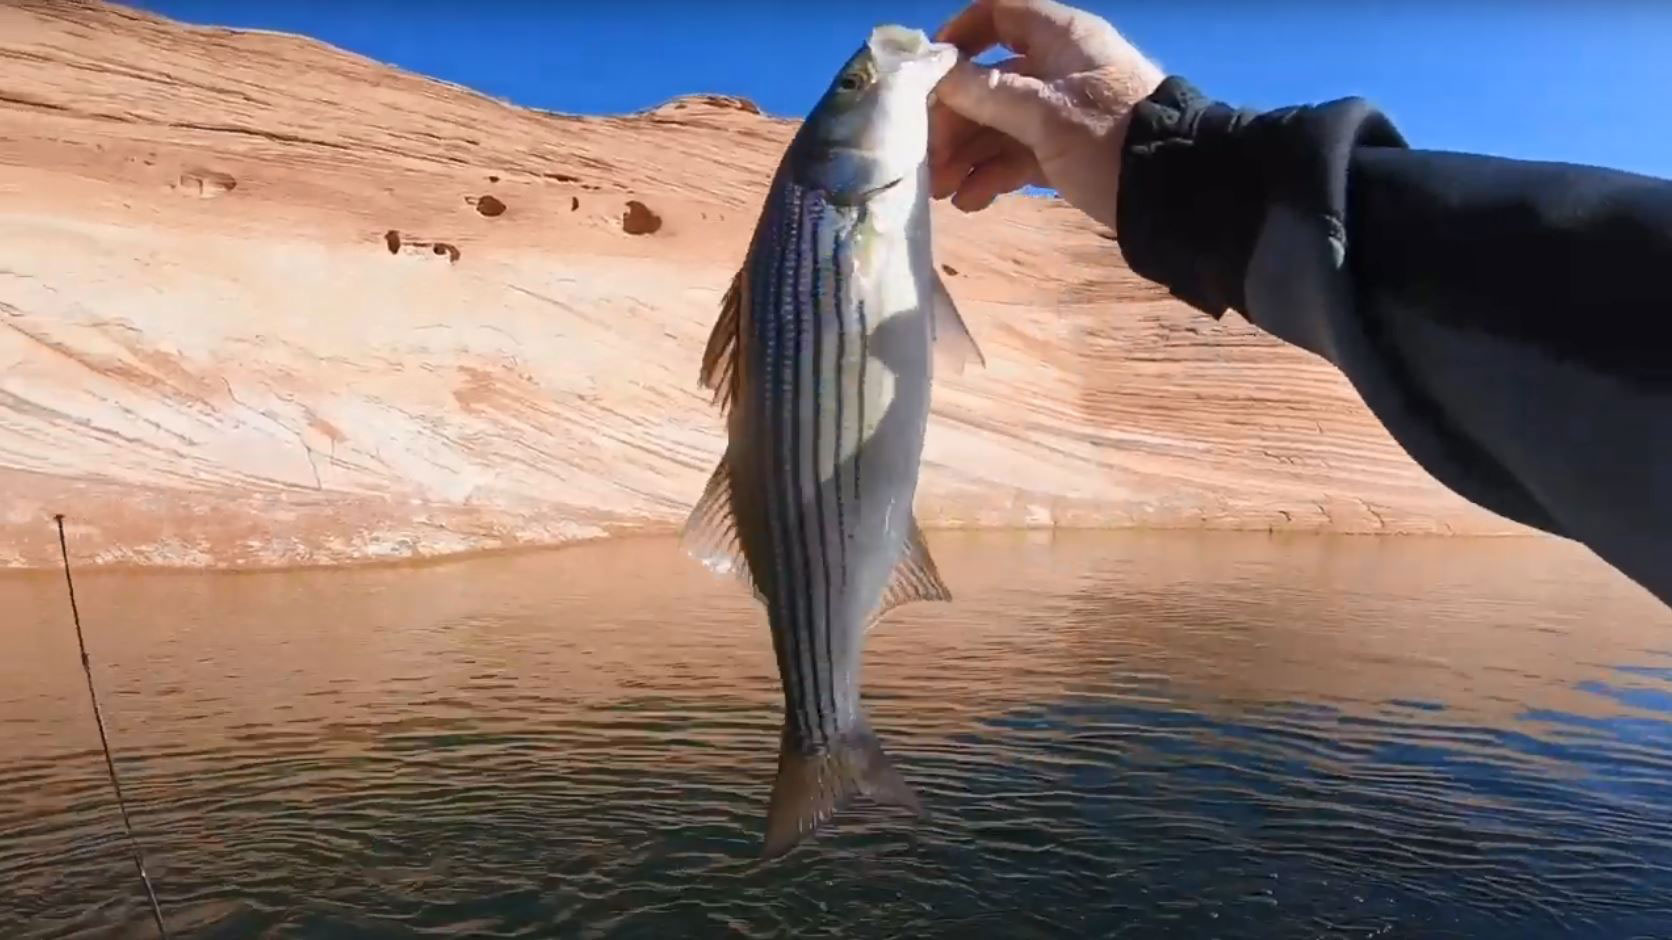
<point>871,128</point>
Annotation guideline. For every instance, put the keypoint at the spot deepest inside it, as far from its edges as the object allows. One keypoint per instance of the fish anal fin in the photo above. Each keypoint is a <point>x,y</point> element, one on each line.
<point>811,787</point>
<point>954,346</point>
<point>710,531</point>
<point>915,578</point>
<point>719,358</point>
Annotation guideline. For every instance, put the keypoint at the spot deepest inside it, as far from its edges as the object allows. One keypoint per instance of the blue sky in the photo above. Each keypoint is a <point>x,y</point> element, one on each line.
<point>1582,81</point>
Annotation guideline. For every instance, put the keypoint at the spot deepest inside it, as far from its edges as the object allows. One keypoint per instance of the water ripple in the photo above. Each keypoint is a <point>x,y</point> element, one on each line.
<point>1115,737</point>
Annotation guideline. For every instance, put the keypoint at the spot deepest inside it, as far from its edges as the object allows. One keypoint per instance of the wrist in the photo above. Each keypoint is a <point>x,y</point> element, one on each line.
<point>1189,197</point>
<point>1115,94</point>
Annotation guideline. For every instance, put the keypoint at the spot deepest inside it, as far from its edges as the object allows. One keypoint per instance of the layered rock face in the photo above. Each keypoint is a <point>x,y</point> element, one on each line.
<point>264,302</point>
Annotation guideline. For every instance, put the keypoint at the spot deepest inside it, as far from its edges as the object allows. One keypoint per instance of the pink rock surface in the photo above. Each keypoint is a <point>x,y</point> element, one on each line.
<point>253,312</point>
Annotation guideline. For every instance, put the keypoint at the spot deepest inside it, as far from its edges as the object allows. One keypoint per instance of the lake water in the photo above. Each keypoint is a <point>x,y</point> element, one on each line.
<point>1116,735</point>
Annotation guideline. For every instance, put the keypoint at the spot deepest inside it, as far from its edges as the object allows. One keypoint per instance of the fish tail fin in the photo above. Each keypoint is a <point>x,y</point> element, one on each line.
<point>810,788</point>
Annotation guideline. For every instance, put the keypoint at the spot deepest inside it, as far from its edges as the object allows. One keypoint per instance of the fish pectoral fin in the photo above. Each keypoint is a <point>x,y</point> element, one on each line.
<point>811,787</point>
<point>719,358</point>
<point>915,578</point>
<point>954,346</point>
<point>710,532</point>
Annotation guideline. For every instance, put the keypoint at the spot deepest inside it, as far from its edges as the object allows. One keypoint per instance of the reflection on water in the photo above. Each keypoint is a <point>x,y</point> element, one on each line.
<point>1117,736</point>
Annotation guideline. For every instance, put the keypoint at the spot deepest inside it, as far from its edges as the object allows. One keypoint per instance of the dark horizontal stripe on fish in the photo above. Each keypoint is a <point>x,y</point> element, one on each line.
<point>816,474</point>
<point>839,313</point>
<point>864,357</point>
<point>778,496</point>
<point>803,625</point>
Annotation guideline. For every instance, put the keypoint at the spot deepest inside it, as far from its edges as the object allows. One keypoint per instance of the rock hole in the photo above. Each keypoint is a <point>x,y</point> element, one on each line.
<point>574,203</point>
<point>392,238</point>
<point>442,248</point>
<point>950,270</point>
<point>490,206</point>
<point>492,178</point>
<point>639,220</point>
<point>562,177</point>
<point>207,184</point>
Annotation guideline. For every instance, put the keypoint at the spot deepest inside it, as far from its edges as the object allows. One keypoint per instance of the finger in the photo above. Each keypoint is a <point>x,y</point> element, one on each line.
<point>1016,104</point>
<point>949,131</point>
<point>994,178</point>
<point>1015,65</point>
<point>949,179</point>
<point>972,30</point>
<point>945,176</point>
<point>987,144</point>
<point>988,147</point>
<point>1018,25</point>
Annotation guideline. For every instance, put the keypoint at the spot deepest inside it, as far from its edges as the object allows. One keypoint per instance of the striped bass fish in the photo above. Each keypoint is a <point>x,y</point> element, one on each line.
<point>821,359</point>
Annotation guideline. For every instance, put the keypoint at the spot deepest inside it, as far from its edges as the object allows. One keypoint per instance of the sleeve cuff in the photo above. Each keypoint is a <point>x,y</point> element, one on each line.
<point>1197,177</point>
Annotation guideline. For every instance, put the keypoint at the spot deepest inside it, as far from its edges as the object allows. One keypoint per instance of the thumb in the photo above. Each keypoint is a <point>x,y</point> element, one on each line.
<point>1007,101</point>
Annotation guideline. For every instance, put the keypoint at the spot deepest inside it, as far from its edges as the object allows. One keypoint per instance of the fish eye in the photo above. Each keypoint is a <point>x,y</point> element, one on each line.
<point>850,82</point>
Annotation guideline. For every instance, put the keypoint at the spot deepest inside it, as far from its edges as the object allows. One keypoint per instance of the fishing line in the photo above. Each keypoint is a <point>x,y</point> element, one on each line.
<point>104,742</point>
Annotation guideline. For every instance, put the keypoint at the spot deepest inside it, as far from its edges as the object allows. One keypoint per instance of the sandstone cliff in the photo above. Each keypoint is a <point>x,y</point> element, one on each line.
<point>264,302</point>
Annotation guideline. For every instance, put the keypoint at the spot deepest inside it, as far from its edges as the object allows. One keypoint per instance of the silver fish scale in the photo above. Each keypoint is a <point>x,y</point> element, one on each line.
<point>807,320</point>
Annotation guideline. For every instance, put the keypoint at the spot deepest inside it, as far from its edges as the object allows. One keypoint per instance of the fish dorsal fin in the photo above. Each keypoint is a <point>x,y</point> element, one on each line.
<point>719,357</point>
<point>915,577</point>
<point>954,346</point>
<point>710,532</point>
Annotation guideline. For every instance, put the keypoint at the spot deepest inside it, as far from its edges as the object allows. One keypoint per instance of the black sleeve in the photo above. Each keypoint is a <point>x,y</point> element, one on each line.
<point>1505,320</point>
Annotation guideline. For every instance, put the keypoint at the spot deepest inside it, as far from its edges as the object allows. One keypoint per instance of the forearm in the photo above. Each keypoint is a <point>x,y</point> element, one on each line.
<point>1502,318</point>
<point>1574,263</point>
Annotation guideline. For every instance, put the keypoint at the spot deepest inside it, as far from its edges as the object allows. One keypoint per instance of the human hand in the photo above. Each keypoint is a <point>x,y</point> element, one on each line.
<point>1055,114</point>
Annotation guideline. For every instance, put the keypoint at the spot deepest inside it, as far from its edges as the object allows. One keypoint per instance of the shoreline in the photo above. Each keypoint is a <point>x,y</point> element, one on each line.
<point>672,536</point>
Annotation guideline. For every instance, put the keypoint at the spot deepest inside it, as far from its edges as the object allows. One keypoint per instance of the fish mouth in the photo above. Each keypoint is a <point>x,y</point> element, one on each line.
<point>893,46</point>
<point>895,49</point>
